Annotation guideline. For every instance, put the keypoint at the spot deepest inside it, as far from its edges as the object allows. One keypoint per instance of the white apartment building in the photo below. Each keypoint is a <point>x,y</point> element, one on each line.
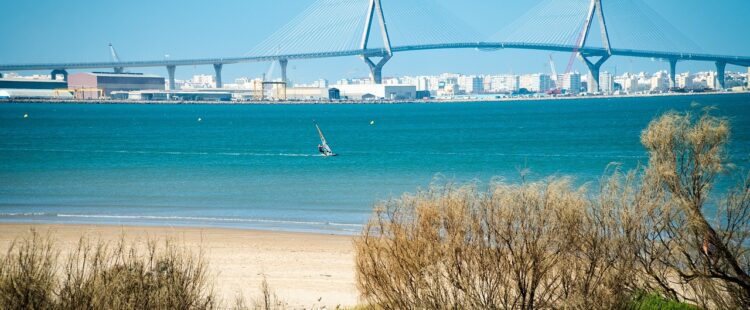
<point>471,84</point>
<point>570,82</point>
<point>503,83</point>
<point>630,84</point>
<point>684,80</point>
<point>535,82</point>
<point>660,82</point>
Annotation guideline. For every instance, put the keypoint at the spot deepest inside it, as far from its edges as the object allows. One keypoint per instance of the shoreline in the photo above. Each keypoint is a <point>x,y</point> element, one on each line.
<point>358,102</point>
<point>300,267</point>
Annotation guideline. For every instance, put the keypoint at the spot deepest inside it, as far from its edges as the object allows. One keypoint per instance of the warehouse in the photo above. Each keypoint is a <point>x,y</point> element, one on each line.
<point>378,91</point>
<point>16,83</point>
<point>111,82</point>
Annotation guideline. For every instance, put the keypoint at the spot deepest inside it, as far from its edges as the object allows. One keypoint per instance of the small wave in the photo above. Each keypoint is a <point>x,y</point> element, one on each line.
<point>529,155</point>
<point>157,152</point>
<point>206,219</point>
<point>25,214</point>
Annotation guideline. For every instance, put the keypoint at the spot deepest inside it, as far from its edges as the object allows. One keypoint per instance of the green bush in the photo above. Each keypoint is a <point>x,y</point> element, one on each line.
<point>653,301</point>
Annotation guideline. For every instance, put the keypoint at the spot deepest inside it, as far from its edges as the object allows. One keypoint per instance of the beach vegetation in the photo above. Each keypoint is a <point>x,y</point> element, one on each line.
<point>267,299</point>
<point>550,244</point>
<point>98,275</point>
<point>27,274</point>
<point>651,301</point>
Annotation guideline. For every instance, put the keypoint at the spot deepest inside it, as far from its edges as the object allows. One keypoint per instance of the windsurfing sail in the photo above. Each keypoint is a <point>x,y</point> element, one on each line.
<point>323,148</point>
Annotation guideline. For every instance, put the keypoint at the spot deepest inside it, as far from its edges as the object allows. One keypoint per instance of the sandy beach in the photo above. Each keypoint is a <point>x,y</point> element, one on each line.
<point>300,267</point>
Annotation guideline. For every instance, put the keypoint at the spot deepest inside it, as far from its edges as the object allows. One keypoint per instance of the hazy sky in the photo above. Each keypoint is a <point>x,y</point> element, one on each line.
<point>35,31</point>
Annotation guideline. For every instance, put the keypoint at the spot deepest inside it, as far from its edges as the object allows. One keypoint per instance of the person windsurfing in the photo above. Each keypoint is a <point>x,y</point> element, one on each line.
<point>323,147</point>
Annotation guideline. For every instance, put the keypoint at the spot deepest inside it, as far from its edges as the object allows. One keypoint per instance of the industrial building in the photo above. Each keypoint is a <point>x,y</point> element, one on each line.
<point>307,93</point>
<point>111,82</point>
<point>155,95</point>
<point>16,83</point>
<point>377,91</point>
<point>46,94</point>
<point>15,88</point>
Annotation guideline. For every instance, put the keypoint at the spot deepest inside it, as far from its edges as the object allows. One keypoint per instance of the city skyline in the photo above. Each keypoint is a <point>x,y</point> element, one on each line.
<point>160,40</point>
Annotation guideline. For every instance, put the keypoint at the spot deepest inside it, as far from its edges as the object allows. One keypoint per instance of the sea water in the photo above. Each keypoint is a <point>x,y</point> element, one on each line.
<point>256,166</point>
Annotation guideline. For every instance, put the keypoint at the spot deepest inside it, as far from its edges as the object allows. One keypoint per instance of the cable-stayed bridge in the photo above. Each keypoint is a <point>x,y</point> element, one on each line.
<point>374,30</point>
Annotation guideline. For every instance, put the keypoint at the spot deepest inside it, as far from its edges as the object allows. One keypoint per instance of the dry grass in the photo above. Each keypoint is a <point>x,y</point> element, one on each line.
<point>267,300</point>
<point>27,274</point>
<point>98,275</point>
<point>549,244</point>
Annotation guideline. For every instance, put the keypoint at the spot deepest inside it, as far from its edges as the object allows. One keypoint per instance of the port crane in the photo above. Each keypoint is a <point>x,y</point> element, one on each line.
<point>115,58</point>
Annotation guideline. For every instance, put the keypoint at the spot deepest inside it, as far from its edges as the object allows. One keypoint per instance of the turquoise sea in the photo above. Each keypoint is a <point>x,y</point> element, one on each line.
<point>255,166</point>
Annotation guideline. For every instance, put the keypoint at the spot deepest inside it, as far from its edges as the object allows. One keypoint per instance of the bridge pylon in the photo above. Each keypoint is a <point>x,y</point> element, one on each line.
<point>596,10</point>
<point>217,71</point>
<point>594,68</point>
<point>171,70</point>
<point>673,73</point>
<point>284,63</point>
<point>376,69</point>
<point>721,68</point>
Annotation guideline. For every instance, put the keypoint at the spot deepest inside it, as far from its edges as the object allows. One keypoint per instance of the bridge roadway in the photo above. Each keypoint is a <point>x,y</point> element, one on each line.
<point>734,60</point>
<point>673,57</point>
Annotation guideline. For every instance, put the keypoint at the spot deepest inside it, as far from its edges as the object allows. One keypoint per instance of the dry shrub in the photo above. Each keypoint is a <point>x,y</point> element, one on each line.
<point>550,245</point>
<point>164,277</point>
<point>688,251</point>
<point>100,276</point>
<point>267,300</point>
<point>533,245</point>
<point>27,274</point>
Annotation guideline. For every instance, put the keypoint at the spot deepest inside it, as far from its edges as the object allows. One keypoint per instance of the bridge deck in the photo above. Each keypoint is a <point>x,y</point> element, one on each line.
<point>735,60</point>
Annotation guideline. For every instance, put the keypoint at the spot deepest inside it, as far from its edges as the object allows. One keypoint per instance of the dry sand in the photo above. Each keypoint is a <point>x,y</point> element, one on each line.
<point>300,267</point>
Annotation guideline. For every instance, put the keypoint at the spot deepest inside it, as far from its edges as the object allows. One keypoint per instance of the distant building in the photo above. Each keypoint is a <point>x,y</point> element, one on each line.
<point>307,93</point>
<point>110,82</point>
<point>660,82</point>
<point>630,84</point>
<point>606,83</point>
<point>334,94</point>
<point>471,84</point>
<point>712,81</point>
<point>423,94</point>
<point>507,83</point>
<point>156,95</point>
<point>19,83</point>
<point>685,80</point>
<point>35,94</point>
<point>25,88</point>
<point>537,83</point>
<point>570,82</point>
<point>423,83</point>
<point>378,91</point>
<point>449,90</point>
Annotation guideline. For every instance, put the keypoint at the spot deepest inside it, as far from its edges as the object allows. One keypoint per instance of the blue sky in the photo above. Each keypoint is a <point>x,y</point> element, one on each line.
<point>79,30</point>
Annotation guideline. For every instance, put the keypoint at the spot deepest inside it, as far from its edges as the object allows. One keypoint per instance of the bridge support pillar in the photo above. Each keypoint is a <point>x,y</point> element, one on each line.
<point>1,75</point>
<point>283,63</point>
<point>594,70</point>
<point>721,68</point>
<point>376,69</point>
<point>170,71</point>
<point>217,70</point>
<point>57,72</point>
<point>673,73</point>
<point>119,70</point>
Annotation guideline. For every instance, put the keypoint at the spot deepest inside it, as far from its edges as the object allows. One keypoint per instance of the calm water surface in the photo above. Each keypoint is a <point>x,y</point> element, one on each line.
<point>255,166</point>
